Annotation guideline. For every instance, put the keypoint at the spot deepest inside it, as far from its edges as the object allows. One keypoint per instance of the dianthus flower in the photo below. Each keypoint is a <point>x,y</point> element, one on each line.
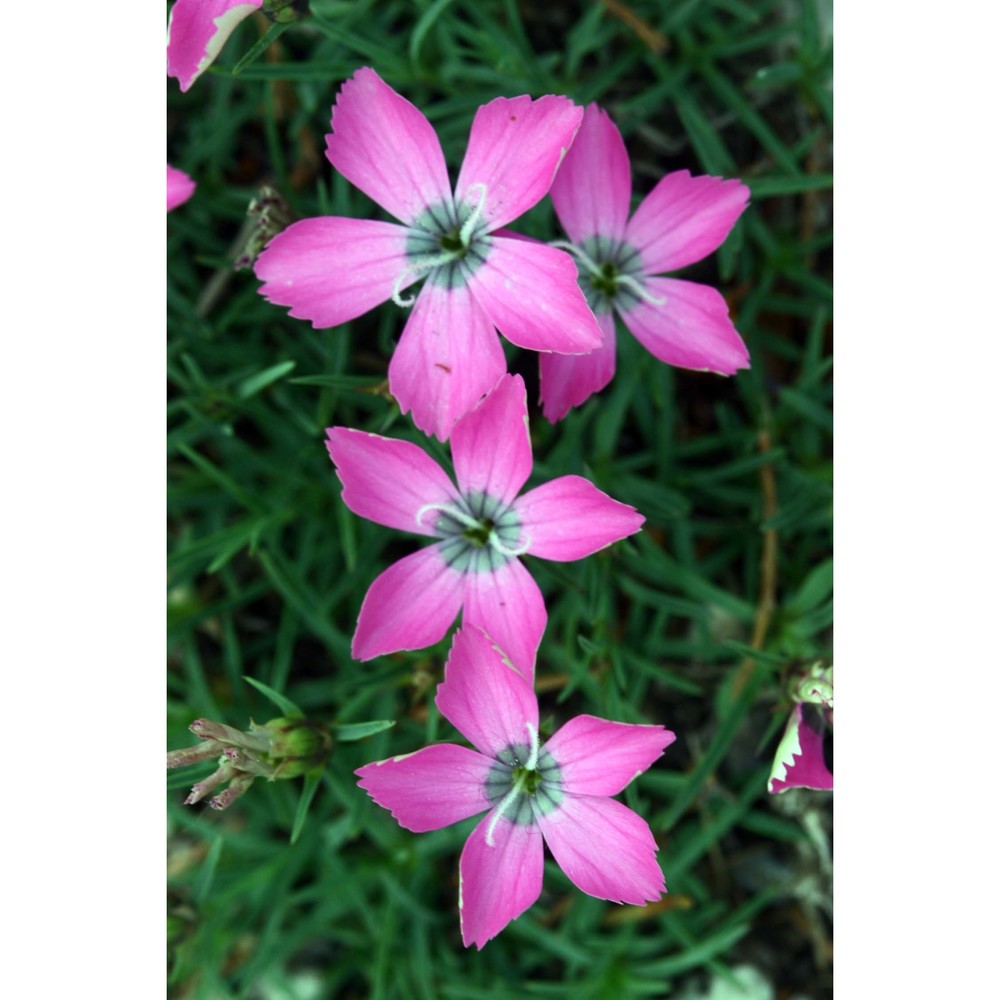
<point>558,792</point>
<point>800,761</point>
<point>180,187</point>
<point>481,527</point>
<point>680,221</point>
<point>199,28</point>
<point>331,270</point>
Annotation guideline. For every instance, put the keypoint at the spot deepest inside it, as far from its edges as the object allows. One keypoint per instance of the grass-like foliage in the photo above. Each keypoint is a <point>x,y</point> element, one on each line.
<point>696,623</point>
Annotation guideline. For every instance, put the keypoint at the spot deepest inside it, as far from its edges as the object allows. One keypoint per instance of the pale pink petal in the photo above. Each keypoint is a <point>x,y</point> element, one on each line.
<point>592,192</point>
<point>605,849</point>
<point>597,757</point>
<point>498,881</point>
<point>569,518</point>
<point>483,696</point>
<point>331,270</point>
<point>387,480</point>
<point>691,329</point>
<point>180,187</point>
<point>490,445</point>
<point>569,380</point>
<point>515,147</point>
<point>197,31</point>
<point>684,219</point>
<point>410,605</point>
<point>383,145</point>
<point>507,604</point>
<point>530,292</point>
<point>429,789</point>
<point>799,761</point>
<point>448,357</point>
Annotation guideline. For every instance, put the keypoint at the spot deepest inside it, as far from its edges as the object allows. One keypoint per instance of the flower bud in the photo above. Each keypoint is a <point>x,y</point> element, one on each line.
<point>286,11</point>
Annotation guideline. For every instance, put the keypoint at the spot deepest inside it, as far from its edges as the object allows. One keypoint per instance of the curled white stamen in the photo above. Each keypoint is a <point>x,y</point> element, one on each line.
<point>468,227</point>
<point>419,268</point>
<point>639,289</point>
<point>500,810</point>
<point>581,255</point>
<point>458,515</point>
<point>495,543</point>
<point>532,762</point>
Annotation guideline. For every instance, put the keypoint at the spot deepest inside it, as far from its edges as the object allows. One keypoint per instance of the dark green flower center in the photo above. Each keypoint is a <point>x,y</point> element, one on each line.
<point>480,535</point>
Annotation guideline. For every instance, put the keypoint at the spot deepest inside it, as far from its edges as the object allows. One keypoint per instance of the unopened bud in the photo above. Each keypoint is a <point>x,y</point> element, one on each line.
<point>286,11</point>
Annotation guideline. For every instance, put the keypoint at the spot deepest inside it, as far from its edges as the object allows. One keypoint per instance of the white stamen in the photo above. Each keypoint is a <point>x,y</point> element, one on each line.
<point>500,810</point>
<point>458,515</point>
<point>468,227</point>
<point>532,762</point>
<point>419,268</point>
<point>639,289</point>
<point>581,255</point>
<point>495,543</point>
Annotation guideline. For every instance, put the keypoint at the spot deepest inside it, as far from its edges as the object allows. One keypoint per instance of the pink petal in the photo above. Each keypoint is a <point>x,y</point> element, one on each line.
<point>605,849</point>
<point>197,31</point>
<point>569,518</point>
<point>180,187</point>
<point>799,761</point>
<point>429,789</point>
<point>597,757</point>
<point>515,148</point>
<point>383,145</point>
<point>331,270</point>
<point>507,604</point>
<point>499,882</point>
<point>691,329</point>
<point>483,696</point>
<point>684,219</point>
<point>387,480</point>
<point>569,380</point>
<point>448,357</point>
<point>592,192</point>
<point>530,292</point>
<point>490,446</point>
<point>410,605</point>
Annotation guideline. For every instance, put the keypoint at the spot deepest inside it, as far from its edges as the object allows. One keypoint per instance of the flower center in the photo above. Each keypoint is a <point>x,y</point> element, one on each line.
<point>479,534</point>
<point>611,274</point>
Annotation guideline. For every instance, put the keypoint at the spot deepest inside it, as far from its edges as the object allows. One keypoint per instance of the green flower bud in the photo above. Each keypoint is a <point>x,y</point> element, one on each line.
<point>286,11</point>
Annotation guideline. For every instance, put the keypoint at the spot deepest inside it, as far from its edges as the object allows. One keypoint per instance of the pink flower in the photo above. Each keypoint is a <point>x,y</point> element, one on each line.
<point>559,793</point>
<point>482,527</point>
<point>331,270</point>
<point>682,220</point>
<point>197,31</point>
<point>800,761</point>
<point>180,187</point>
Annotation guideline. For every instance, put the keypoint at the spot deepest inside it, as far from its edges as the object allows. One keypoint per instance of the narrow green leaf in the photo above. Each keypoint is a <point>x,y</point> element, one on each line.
<point>287,706</point>
<point>309,787</point>
<point>251,386</point>
<point>348,732</point>
<point>257,49</point>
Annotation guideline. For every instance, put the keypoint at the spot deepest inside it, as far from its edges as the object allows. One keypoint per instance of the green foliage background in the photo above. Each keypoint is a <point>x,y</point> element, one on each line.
<point>695,623</point>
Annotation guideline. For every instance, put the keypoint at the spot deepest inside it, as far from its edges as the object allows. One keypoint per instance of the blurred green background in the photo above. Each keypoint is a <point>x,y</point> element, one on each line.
<point>696,623</point>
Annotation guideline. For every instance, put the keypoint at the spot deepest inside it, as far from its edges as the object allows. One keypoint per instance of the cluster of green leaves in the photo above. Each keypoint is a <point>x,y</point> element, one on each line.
<point>694,623</point>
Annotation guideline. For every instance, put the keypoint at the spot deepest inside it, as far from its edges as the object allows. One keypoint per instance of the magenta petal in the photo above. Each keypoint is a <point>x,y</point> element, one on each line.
<point>569,518</point>
<point>490,446</point>
<point>515,147</point>
<point>448,357</point>
<point>197,31</point>
<point>530,292</point>
<point>387,480</point>
<point>410,605</point>
<point>691,329</point>
<point>483,696</point>
<point>592,192</point>
<point>498,882</point>
<point>429,789</point>
<point>569,380</point>
<point>331,270</point>
<point>383,145</point>
<point>180,187</point>
<point>508,605</point>
<point>605,849</point>
<point>597,757</point>
<point>799,761</point>
<point>684,219</point>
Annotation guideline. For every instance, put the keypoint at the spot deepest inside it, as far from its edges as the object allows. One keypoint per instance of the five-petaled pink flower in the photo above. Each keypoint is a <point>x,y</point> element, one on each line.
<point>197,31</point>
<point>180,187</point>
<point>558,792</point>
<point>482,527</point>
<point>682,220</point>
<point>331,270</point>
